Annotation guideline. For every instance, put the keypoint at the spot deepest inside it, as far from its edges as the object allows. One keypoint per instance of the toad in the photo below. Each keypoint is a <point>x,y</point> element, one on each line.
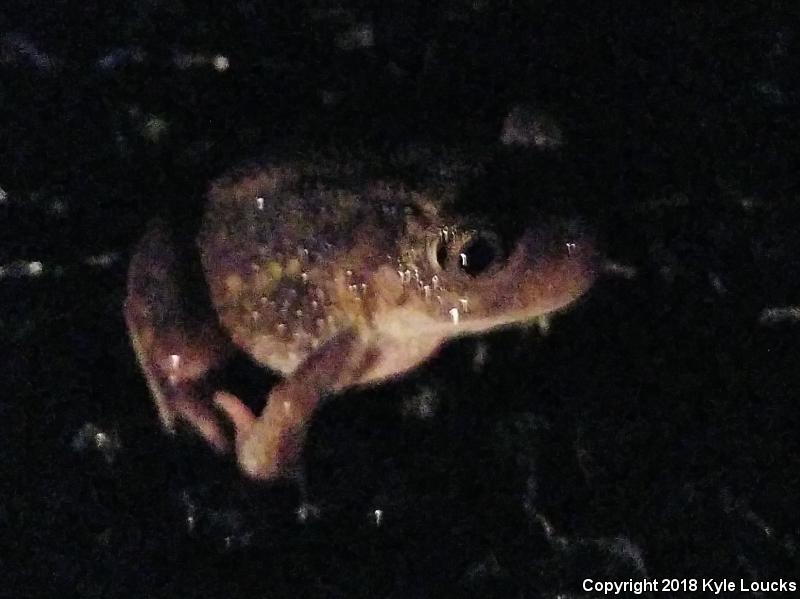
<point>335,273</point>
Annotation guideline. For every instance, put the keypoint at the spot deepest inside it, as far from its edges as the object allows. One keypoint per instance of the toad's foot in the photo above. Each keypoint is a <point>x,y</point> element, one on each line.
<point>177,346</point>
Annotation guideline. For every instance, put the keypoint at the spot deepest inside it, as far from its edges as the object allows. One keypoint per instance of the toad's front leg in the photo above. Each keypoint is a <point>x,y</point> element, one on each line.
<point>177,342</point>
<point>270,446</point>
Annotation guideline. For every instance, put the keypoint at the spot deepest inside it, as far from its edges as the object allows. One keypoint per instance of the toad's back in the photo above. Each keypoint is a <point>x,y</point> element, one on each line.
<point>291,251</point>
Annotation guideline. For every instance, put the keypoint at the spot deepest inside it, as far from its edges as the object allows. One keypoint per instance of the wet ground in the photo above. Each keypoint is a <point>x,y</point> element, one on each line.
<point>651,433</point>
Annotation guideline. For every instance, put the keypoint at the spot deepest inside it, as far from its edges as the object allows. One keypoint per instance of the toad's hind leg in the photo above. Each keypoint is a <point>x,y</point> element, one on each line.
<point>270,445</point>
<point>175,335</point>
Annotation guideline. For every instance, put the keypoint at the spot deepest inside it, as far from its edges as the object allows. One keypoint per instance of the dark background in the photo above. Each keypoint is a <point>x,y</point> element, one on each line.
<point>653,432</point>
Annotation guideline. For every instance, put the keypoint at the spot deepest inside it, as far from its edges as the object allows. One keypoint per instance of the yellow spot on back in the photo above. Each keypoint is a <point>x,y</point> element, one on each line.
<point>275,270</point>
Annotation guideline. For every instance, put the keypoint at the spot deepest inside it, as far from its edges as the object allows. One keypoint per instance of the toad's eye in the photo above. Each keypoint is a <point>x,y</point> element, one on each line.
<point>478,254</point>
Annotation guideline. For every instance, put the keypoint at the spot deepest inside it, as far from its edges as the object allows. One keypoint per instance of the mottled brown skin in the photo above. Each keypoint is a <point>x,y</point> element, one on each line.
<point>335,278</point>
